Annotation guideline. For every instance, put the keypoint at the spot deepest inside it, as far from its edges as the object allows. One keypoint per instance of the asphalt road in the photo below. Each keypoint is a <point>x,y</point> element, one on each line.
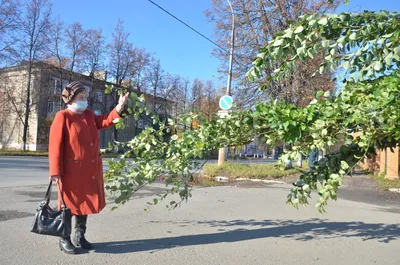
<point>245,223</point>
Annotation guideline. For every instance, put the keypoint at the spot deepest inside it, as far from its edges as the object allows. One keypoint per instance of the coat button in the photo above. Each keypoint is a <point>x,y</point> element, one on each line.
<point>91,144</point>
<point>92,161</point>
<point>93,177</point>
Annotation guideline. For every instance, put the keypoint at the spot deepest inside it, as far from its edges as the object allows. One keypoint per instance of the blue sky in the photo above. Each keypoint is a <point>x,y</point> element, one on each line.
<point>180,50</point>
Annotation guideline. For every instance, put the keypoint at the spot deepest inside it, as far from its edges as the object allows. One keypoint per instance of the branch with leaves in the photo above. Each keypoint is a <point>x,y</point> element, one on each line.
<point>362,118</point>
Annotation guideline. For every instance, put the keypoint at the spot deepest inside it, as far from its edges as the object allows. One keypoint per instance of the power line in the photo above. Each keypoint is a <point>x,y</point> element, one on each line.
<point>189,26</point>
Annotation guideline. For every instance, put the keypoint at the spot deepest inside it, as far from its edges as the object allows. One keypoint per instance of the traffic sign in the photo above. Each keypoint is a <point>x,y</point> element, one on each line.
<point>225,102</point>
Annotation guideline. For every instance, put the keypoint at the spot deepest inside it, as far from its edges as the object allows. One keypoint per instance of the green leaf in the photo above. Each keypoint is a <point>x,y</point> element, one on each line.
<point>342,39</point>
<point>310,53</point>
<point>353,36</point>
<point>325,43</point>
<point>300,51</point>
<point>378,66</point>
<point>397,50</point>
<point>174,137</point>
<point>148,147</point>
<point>306,187</point>
<point>261,55</point>
<point>323,21</point>
<point>278,42</point>
<point>344,165</point>
<point>299,29</point>
<point>388,59</point>
<point>133,96</point>
<point>346,65</point>
<point>108,90</point>
<point>322,69</point>
<point>288,34</point>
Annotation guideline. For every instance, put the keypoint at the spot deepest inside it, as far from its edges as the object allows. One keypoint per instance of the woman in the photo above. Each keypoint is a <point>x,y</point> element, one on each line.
<point>75,161</point>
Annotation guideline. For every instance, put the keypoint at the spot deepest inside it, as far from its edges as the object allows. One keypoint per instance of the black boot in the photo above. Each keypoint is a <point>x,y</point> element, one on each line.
<point>67,246</point>
<point>80,230</point>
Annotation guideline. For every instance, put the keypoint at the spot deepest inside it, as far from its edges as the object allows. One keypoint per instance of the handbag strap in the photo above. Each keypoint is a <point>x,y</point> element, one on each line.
<point>48,194</point>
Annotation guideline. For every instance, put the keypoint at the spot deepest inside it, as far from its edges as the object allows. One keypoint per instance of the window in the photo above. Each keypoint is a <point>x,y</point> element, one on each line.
<point>98,96</point>
<point>57,86</point>
<point>57,106</point>
<point>53,106</point>
<point>50,106</point>
<point>64,84</point>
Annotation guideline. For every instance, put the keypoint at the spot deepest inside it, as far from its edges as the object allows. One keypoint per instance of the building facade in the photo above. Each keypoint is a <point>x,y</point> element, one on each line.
<point>47,83</point>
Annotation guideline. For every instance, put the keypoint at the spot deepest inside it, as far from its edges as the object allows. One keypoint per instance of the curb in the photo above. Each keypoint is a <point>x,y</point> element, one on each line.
<point>225,179</point>
<point>262,180</point>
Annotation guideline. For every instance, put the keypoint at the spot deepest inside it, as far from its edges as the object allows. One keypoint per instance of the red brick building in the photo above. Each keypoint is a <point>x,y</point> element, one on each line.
<point>389,163</point>
<point>386,162</point>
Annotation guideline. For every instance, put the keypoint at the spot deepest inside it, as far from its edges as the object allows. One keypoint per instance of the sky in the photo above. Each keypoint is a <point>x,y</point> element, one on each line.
<point>180,50</point>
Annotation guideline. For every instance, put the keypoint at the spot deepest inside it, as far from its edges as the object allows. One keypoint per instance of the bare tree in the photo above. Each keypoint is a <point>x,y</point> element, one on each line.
<point>75,40</point>
<point>9,14</point>
<point>93,54</point>
<point>56,50</point>
<point>257,21</point>
<point>119,54</point>
<point>171,95</point>
<point>184,90</point>
<point>120,62</point>
<point>197,94</point>
<point>155,76</point>
<point>140,64</point>
<point>210,102</point>
<point>34,29</point>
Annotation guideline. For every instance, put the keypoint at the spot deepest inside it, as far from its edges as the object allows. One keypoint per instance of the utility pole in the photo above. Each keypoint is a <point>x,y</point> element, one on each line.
<point>222,113</point>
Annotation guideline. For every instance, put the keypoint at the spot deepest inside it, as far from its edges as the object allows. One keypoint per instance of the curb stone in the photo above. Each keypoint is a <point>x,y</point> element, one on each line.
<point>225,179</point>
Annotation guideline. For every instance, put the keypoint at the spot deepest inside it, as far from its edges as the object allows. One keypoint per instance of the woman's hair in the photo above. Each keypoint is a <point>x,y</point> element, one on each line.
<point>70,91</point>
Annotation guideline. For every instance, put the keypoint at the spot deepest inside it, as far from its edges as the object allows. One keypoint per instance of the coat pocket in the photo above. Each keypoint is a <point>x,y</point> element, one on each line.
<point>72,168</point>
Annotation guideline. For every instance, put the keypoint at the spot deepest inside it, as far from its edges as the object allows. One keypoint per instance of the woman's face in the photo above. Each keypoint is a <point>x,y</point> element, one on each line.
<point>82,96</point>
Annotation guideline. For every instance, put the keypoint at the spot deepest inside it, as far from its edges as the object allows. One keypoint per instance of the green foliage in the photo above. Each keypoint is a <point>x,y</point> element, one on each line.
<point>362,118</point>
<point>365,45</point>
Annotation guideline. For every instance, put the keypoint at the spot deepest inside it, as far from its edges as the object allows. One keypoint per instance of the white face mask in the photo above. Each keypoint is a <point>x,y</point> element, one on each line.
<point>78,106</point>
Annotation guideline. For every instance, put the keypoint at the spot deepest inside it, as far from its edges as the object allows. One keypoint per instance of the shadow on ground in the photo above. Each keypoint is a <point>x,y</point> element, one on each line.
<point>296,230</point>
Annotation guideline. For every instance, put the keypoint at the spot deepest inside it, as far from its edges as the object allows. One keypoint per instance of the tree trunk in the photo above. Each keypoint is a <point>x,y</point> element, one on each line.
<point>115,129</point>
<point>27,107</point>
<point>300,161</point>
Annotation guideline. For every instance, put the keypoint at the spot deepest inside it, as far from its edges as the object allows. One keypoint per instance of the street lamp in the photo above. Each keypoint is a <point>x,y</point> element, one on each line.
<point>222,113</point>
<point>228,87</point>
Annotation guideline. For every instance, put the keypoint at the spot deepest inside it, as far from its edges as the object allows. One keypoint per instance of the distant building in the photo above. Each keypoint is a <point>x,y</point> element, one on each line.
<point>48,82</point>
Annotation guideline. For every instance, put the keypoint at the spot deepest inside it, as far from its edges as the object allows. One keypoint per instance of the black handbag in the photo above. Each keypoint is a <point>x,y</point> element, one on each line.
<point>50,222</point>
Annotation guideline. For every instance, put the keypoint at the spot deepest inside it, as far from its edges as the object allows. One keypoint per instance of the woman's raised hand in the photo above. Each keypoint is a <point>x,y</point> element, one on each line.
<point>121,102</point>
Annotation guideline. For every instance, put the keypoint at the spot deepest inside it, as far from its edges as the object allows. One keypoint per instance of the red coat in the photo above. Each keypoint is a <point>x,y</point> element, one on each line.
<point>74,154</point>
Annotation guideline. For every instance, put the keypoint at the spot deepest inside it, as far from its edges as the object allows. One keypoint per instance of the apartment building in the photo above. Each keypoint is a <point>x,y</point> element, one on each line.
<point>47,84</point>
